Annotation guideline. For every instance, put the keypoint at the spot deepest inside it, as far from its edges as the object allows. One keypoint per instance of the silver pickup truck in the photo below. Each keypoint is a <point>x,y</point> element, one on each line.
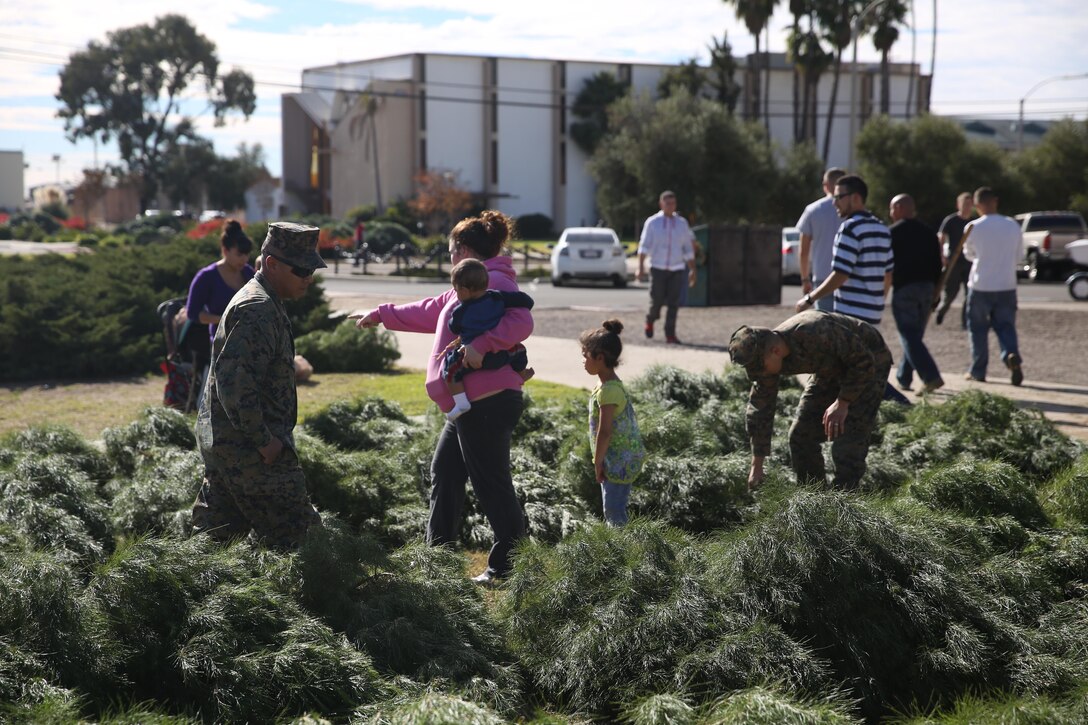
<point>1045,237</point>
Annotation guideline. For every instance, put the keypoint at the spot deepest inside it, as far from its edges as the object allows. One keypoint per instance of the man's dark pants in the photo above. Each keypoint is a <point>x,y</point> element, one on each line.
<point>956,278</point>
<point>910,308</point>
<point>476,447</point>
<point>848,450</point>
<point>987,310</point>
<point>665,288</point>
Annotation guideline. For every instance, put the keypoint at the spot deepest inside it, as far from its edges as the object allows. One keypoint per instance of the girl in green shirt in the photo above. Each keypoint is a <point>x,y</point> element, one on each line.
<point>618,452</point>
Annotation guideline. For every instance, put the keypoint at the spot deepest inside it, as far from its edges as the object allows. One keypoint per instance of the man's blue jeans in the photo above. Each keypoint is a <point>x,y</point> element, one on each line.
<point>986,310</point>
<point>910,308</point>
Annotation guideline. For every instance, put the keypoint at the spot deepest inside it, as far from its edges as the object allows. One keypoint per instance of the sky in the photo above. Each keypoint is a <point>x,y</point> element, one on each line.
<point>989,53</point>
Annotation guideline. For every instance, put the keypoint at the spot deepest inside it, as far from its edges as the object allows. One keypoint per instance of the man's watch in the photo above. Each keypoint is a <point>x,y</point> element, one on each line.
<point>808,299</point>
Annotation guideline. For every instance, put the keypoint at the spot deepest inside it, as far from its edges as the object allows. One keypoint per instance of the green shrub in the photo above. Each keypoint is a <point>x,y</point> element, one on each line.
<point>985,427</point>
<point>157,427</point>
<point>431,708</point>
<point>413,611</point>
<point>347,349</point>
<point>980,489</point>
<point>693,493</point>
<point>535,226</point>
<point>160,494</point>
<point>360,213</point>
<point>660,710</point>
<point>382,237</point>
<point>1004,710</point>
<point>56,506</point>
<point>890,607</point>
<point>769,706</point>
<point>59,441</point>
<point>673,386</point>
<point>361,424</point>
<point>1065,497</point>
<point>608,615</point>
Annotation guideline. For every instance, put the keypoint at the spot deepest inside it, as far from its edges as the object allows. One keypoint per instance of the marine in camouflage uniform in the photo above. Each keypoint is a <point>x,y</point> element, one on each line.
<point>848,362</point>
<point>253,480</point>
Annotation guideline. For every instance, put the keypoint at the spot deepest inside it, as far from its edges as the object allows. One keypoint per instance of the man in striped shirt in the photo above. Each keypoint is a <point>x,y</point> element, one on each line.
<point>862,268</point>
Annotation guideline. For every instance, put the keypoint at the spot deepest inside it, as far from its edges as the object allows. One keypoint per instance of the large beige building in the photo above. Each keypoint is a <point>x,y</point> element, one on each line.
<point>501,125</point>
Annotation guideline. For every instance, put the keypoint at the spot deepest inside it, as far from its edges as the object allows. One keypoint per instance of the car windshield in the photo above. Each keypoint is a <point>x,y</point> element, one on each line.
<point>793,236</point>
<point>589,237</point>
<point>1056,223</point>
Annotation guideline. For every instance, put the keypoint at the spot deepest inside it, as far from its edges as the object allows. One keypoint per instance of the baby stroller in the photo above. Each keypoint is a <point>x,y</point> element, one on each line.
<point>188,352</point>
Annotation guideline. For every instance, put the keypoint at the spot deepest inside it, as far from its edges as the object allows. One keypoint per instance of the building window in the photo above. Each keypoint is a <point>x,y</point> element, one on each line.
<point>624,73</point>
<point>494,162</point>
<point>423,154</point>
<point>494,112</point>
<point>493,71</point>
<point>423,110</point>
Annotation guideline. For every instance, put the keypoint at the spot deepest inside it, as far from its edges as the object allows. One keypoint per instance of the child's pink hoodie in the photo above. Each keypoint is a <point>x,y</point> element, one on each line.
<point>433,315</point>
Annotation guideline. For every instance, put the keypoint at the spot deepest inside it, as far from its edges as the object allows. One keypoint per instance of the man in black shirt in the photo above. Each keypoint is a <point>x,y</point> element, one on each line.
<point>951,232</point>
<point>914,279</point>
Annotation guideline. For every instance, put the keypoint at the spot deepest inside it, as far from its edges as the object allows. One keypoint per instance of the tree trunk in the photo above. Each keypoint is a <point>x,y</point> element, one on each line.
<point>832,102</point>
<point>796,106</point>
<point>885,84</point>
<point>754,110</point>
<point>767,84</point>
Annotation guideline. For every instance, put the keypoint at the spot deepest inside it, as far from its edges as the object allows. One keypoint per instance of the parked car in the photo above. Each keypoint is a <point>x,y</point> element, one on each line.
<point>209,214</point>
<point>791,255</point>
<point>589,253</point>
<point>1046,234</point>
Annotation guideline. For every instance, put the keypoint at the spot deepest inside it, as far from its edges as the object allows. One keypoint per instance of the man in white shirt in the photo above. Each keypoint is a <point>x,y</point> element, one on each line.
<point>819,223</point>
<point>993,246</point>
<point>668,241</point>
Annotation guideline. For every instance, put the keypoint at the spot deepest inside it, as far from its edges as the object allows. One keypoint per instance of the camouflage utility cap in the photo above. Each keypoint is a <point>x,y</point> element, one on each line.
<point>293,243</point>
<point>748,345</point>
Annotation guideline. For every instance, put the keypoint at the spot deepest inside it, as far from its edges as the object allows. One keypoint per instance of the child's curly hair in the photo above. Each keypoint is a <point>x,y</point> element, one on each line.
<point>605,341</point>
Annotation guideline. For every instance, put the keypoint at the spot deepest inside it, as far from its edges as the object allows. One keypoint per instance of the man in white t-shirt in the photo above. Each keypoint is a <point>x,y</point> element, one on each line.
<point>668,242</point>
<point>993,246</point>
<point>819,223</point>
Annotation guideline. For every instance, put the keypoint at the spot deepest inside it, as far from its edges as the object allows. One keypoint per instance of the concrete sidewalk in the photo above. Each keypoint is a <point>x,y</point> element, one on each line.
<point>559,360</point>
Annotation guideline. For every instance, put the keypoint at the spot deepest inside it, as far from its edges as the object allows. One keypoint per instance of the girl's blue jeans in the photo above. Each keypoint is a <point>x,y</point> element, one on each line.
<point>614,496</point>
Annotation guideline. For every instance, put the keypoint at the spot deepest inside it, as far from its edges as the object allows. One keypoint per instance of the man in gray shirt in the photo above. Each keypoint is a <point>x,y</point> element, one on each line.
<point>819,223</point>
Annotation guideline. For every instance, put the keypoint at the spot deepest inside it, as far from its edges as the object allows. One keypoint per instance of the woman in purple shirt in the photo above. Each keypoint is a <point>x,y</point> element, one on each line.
<point>213,286</point>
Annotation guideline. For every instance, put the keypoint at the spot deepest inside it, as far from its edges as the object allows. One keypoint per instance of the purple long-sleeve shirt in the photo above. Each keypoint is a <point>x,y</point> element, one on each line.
<point>210,293</point>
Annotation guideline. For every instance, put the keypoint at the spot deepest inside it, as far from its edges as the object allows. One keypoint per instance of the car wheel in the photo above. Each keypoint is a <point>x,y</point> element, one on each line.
<point>1037,270</point>
<point>619,280</point>
<point>1078,286</point>
<point>556,282</point>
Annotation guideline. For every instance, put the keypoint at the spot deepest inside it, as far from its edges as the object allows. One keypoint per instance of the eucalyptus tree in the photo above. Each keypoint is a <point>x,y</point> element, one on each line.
<point>134,88</point>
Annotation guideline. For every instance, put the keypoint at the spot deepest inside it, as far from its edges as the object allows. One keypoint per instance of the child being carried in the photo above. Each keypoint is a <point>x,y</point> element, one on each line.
<point>478,310</point>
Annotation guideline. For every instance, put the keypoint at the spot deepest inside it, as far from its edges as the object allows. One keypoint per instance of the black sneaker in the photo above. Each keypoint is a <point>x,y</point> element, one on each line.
<point>1012,362</point>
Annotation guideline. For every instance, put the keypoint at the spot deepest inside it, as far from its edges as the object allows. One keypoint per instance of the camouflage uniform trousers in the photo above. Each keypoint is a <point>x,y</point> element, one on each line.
<point>848,450</point>
<point>242,493</point>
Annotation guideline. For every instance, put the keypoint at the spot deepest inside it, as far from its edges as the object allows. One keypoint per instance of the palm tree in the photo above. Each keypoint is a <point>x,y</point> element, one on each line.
<point>888,16</point>
<point>836,18</point>
<point>365,124</point>
<point>810,61</point>
<point>798,8</point>
<point>755,14</point>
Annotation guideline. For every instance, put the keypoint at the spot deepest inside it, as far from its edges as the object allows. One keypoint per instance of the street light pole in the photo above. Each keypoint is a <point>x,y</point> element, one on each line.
<point>1037,86</point>
<point>855,28</point>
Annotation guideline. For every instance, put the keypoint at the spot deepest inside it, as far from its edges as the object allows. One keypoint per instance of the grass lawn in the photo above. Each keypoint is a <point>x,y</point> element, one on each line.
<point>90,407</point>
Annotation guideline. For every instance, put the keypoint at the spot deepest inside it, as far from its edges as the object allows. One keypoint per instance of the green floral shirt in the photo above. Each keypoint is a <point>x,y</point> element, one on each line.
<point>626,453</point>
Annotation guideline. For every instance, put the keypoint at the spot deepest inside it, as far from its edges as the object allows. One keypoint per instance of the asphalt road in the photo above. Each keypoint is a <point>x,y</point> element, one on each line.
<point>604,295</point>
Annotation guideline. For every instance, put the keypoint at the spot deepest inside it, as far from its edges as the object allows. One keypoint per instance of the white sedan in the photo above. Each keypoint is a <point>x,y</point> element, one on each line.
<point>791,254</point>
<point>589,253</point>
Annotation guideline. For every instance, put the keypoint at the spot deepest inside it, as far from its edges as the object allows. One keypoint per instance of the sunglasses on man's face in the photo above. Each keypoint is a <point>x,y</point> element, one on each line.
<point>836,197</point>
<point>300,272</point>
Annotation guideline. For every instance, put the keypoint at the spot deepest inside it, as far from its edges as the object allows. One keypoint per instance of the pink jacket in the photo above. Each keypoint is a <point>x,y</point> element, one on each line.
<point>432,315</point>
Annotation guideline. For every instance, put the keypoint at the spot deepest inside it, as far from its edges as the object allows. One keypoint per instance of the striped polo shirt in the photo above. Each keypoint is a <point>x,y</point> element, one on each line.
<point>863,250</point>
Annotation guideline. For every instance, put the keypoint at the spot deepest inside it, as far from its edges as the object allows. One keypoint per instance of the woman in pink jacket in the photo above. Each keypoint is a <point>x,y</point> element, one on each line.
<point>476,446</point>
